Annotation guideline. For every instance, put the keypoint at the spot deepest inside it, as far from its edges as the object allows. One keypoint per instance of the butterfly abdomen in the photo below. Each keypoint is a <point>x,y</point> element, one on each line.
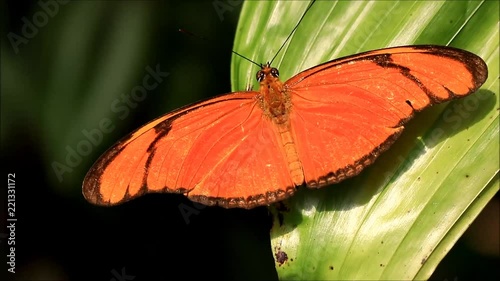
<point>291,155</point>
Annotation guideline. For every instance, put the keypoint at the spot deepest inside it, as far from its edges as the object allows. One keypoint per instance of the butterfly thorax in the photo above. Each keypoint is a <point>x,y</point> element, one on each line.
<point>274,100</point>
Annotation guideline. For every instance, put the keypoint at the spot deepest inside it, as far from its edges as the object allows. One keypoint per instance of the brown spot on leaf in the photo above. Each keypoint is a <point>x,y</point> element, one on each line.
<point>281,257</point>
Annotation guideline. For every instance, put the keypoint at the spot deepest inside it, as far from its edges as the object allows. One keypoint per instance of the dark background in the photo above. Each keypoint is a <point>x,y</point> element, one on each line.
<point>60,236</point>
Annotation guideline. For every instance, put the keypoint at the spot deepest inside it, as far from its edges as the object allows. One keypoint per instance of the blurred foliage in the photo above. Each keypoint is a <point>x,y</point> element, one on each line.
<point>86,63</point>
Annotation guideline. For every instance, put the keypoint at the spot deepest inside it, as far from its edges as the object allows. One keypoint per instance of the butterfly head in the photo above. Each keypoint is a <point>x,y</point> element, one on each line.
<point>267,73</point>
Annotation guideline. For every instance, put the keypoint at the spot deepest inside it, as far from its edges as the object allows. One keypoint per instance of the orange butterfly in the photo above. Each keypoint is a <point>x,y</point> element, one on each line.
<point>325,124</point>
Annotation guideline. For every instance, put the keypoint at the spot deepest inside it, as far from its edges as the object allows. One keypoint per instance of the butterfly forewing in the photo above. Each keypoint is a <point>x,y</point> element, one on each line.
<point>347,111</point>
<point>210,151</point>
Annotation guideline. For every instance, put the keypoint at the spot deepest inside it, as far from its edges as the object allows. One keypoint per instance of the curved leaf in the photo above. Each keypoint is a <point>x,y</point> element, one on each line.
<point>400,217</point>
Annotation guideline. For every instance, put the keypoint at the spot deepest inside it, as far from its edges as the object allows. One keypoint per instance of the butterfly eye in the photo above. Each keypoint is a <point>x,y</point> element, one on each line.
<point>260,76</point>
<point>275,73</point>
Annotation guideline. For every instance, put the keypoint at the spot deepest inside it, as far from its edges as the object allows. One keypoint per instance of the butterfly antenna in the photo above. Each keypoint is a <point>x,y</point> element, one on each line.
<point>187,32</point>
<point>289,36</point>
<point>242,56</point>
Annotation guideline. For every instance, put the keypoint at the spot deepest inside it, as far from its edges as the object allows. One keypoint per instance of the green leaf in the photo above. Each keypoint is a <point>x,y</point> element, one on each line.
<point>398,218</point>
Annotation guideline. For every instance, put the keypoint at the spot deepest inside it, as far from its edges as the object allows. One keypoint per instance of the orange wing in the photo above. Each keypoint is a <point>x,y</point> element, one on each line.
<point>347,111</point>
<point>210,151</point>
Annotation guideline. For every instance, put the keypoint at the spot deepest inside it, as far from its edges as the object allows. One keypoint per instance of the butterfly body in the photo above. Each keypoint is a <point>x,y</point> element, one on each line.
<point>323,125</point>
<point>275,102</point>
